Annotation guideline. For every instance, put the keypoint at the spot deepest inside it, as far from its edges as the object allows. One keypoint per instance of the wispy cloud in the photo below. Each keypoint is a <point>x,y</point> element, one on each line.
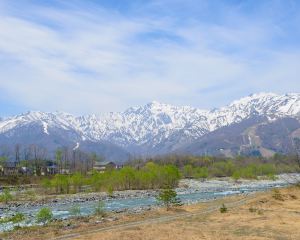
<point>84,57</point>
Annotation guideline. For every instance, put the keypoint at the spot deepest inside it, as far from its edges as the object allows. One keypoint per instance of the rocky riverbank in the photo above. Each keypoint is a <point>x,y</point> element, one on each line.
<point>189,191</point>
<point>186,186</point>
<point>218,184</point>
<point>51,201</point>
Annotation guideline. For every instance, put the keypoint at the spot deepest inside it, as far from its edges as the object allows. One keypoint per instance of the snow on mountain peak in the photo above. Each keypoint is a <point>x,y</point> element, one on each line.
<point>263,96</point>
<point>154,122</point>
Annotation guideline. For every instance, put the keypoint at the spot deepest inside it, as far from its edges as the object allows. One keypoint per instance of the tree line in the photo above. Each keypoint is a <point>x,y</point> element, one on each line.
<point>37,158</point>
<point>74,169</point>
<point>218,166</point>
<point>150,176</point>
<point>158,173</point>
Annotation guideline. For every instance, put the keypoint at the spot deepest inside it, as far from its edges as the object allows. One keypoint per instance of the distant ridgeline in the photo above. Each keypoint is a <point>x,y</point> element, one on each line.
<point>257,125</point>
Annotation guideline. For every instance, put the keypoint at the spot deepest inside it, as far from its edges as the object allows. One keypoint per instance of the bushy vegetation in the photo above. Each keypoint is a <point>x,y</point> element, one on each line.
<point>223,208</point>
<point>158,172</point>
<point>6,196</point>
<point>189,171</point>
<point>18,217</point>
<point>255,170</point>
<point>277,195</point>
<point>44,215</point>
<point>234,169</point>
<point>252,209</point>
<point>168,197</point>
<point>240,167</point>
<point>100,209</point>
<point>150,176</point>
<point>154,176</point>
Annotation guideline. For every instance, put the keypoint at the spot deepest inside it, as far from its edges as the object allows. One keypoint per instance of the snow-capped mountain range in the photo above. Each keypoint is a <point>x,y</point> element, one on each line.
<point>153,128</point>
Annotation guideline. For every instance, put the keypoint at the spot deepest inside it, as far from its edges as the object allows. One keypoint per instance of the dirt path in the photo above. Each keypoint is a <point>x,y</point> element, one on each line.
<point>273,215</point>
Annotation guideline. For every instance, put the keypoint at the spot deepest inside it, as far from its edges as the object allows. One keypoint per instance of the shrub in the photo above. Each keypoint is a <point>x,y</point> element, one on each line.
<point>6,196</point>
<point>277,195</point>
<point>46,184</point>
<point>236,175</point>
<point>19,217</point>
<point>267,169</point>
<point>201,172</point>
<point>96,180</point>
<point>260,212</point>
<point>110,191</point>
<point>75,210</point>
<point>77,180</point>
<point>252,209</point>
<point>4,220</point>
<point>223,208</point>
<point>271,176</point>
<point>249,172</point>
<point>188,171</point>
<point>44,215</point>
<point>61,183</point>
<point>222,169</point>
<point>168,197</point>
<point>100,209</point>
<point>294,197</point>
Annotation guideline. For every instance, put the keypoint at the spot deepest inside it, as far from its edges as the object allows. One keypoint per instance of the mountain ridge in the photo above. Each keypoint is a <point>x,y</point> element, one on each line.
<point>155,128</point>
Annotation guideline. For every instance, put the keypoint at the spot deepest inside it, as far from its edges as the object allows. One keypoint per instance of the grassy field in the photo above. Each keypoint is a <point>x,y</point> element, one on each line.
<point>271,215</point>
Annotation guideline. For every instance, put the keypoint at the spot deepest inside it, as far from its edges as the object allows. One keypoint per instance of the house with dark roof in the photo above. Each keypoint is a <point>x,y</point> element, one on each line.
<point>104,166</point>
<point>10,169</point>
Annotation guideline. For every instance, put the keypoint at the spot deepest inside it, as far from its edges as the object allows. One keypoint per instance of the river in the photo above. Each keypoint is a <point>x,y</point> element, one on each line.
<point>189,191</point>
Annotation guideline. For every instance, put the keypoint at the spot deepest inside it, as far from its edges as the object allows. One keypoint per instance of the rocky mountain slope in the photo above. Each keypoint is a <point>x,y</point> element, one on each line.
<point>155,128</point>
<point>255,136</point>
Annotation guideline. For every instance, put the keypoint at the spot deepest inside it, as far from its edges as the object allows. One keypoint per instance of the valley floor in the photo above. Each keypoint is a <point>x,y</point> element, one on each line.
<point>269,215</point>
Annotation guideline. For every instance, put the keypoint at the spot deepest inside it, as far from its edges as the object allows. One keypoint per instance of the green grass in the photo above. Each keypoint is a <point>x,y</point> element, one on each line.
<point>19,217</point>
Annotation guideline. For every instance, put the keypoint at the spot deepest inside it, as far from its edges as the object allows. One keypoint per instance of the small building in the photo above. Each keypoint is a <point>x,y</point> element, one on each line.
<point>26,171</point>
<point>65,171</point>
<point>104,166</point>
<point>50,168</point>
<point>10,169</point>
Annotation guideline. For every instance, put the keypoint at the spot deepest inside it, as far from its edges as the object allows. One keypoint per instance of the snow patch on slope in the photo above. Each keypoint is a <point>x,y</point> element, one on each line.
<point>152,124</point>
<point>45,127</point>
<point>77,146</point>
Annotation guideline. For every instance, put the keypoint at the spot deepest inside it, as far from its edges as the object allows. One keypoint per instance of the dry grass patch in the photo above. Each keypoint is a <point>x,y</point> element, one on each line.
<point>272,219</point>
<point>269,219</point>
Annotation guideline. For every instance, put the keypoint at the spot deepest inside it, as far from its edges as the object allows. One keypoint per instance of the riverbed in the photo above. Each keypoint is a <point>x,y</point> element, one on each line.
<point>189,191</point>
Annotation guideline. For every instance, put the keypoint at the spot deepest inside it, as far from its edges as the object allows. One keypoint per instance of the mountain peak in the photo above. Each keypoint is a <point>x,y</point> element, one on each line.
<point>153,123</point>
<point>156,104</point>
<point>254,97</point>
<point>262,94</point>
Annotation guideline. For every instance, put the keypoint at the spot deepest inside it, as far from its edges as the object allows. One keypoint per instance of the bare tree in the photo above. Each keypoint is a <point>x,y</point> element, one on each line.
<point>39,155</point>
<point>17,153</point>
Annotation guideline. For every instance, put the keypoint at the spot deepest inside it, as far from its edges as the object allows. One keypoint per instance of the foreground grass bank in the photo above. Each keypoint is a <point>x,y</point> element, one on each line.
<point>271,215</point>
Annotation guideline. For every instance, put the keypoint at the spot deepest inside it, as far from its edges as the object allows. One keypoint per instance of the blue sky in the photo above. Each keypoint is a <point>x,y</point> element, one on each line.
<point>97,56</point>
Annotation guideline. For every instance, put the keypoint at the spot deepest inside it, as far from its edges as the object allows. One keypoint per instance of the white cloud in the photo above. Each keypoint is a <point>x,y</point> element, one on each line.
<point>97,60</point>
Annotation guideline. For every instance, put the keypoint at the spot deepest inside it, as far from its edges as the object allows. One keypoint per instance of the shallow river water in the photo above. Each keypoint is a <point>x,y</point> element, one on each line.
<point>194,191</point>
